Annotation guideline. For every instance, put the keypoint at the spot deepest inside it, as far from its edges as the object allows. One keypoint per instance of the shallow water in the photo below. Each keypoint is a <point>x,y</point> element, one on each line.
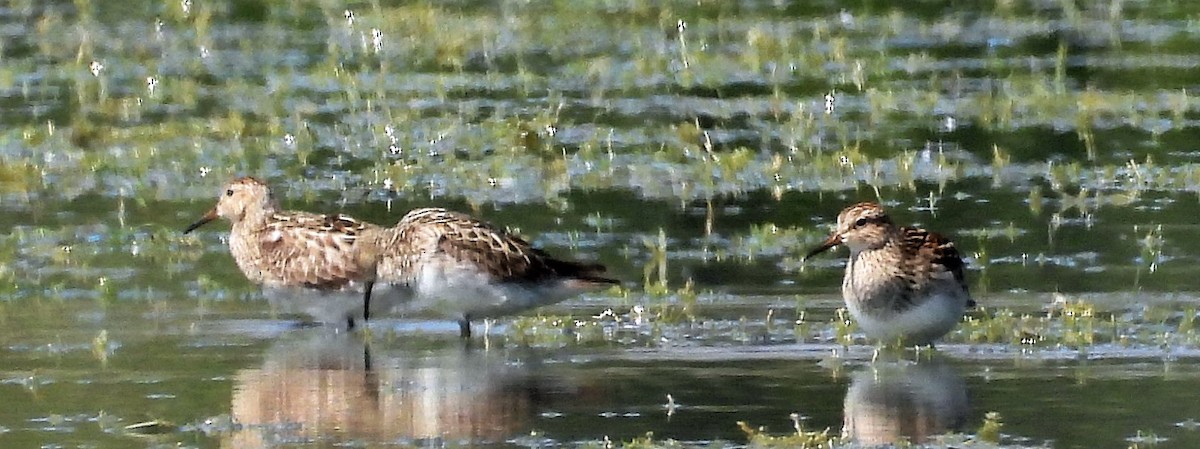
<point>689,146</point>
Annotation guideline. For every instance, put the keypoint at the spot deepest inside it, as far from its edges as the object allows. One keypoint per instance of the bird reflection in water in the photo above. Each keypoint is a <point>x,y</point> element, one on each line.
<point>329,388</point>
<point>890,402</point>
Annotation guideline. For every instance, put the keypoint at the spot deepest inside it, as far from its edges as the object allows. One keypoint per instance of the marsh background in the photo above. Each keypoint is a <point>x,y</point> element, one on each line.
<point>696,148</point>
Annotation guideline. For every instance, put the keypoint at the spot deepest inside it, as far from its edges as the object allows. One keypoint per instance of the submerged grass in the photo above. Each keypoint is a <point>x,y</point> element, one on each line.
<point>690,318</point>
<point>988,436</point>
<point>193,91</point>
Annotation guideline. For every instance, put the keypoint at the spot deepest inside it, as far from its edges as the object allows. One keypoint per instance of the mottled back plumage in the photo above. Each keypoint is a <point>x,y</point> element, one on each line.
<point>434,260</point>
<point>504,257</point>
<point>281,249</point>
<point>465,268</point>
<point>938,250</point>
<point>900,281</point>
<point>310,250</point>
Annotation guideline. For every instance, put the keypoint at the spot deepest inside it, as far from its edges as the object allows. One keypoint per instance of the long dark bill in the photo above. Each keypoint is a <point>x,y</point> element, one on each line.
<point>832,241</point>
<point>210,216</point>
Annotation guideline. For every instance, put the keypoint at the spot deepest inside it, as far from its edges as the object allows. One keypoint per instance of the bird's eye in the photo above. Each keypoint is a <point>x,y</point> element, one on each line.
<point>860,222</point>
<point>229,192</point>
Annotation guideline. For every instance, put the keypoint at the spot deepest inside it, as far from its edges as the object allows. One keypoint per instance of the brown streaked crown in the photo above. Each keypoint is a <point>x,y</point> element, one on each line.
<point>864,225</point>
<point>861,226</point>
<point>240,198</point>
<point>243,196</point>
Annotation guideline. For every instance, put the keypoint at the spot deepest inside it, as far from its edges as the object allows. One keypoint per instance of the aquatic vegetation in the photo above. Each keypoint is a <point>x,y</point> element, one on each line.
<point>990,430</point>
<point>988,436</point>
<point>357,80</point>
<point>1145,439</point>
<point>802,438</point>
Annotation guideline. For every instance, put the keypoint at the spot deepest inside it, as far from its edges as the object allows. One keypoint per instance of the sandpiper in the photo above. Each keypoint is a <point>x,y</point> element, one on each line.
<point>465,269</point>
<point>902,283</point>
<point>297,252</point>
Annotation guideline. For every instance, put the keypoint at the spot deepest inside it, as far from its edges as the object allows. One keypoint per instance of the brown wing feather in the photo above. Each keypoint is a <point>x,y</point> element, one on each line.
<point>937,248</point>
<point>501,254</point>
<point>316,250</point>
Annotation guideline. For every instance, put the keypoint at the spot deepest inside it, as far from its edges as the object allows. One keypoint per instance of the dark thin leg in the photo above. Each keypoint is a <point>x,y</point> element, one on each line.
<point>367,357</point>
<point>349,323</point>
<point>370,377</point>
<point>464,327</point>
<point>367,301</point>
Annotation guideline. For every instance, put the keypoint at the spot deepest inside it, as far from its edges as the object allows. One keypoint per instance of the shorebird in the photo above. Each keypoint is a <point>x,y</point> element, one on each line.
<point>462,268</point>
<point>901,283</point>
<point>298,252</point>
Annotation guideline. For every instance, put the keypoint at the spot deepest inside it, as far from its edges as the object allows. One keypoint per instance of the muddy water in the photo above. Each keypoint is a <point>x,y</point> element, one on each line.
<point>248,380</point>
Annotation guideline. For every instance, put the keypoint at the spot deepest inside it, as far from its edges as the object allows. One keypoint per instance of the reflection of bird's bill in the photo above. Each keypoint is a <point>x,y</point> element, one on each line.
<point>204,219</point>
<point>321,389</point>
<point>833,240</point>
<point>893,401</point>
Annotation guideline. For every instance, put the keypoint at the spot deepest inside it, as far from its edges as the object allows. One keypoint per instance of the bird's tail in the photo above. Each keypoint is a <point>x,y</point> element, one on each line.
<point>589,274</point>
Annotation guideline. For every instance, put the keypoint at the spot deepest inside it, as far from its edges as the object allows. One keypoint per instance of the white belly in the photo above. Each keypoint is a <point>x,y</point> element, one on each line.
<point>459,291</point>
<point>335,307</point>
<point>918,325</point>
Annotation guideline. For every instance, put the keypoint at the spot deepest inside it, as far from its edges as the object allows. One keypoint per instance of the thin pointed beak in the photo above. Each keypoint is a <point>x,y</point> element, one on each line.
<point>834,239</point>
<point>210,216</point>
